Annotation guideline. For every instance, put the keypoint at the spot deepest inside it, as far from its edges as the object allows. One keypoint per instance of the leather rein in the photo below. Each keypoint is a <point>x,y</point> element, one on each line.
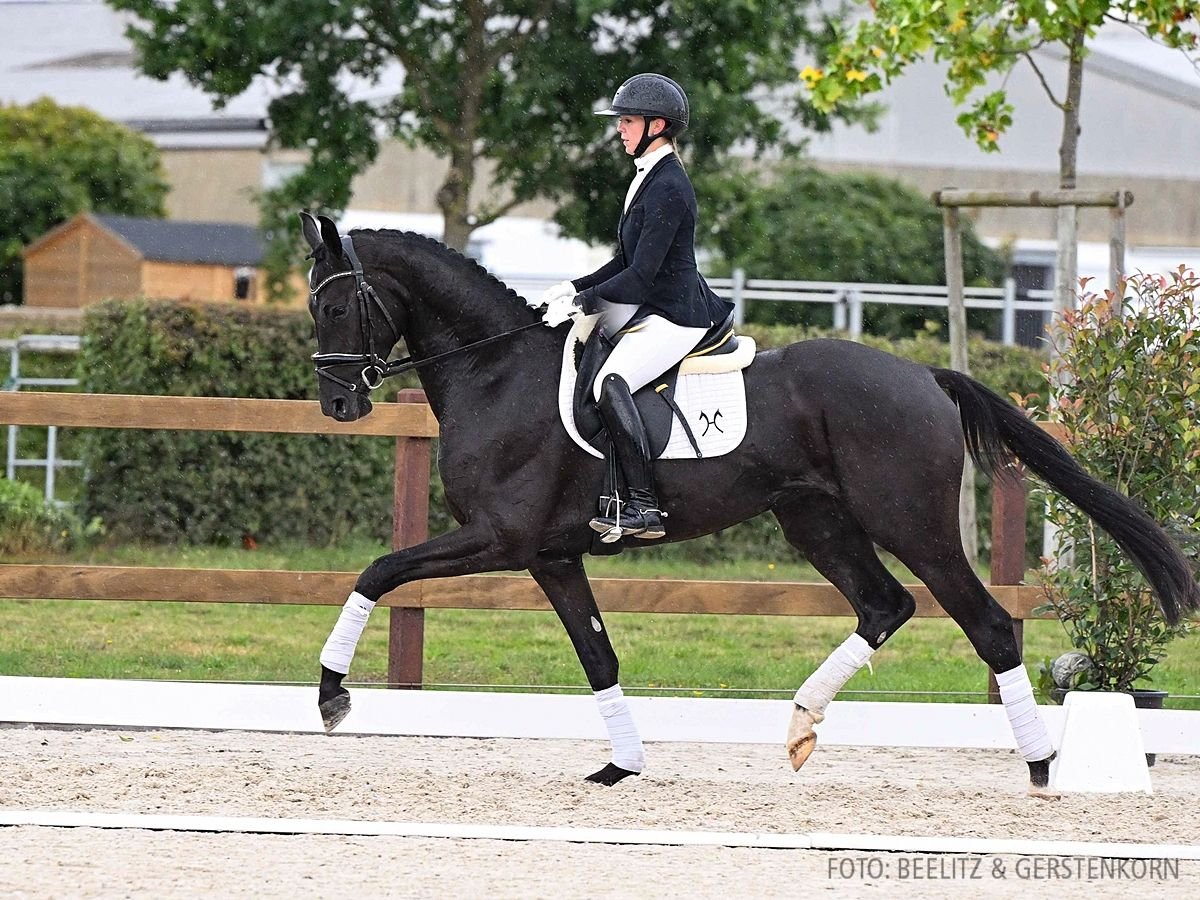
<point>375,367</point>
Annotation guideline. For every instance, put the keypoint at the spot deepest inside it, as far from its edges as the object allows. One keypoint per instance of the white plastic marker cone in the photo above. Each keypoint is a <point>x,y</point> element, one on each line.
<point>1101,750</point>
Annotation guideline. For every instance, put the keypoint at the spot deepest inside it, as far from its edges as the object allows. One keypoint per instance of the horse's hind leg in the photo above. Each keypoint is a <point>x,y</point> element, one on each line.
<point>825,533</point>
<point>566,586</point>
<point>989,628</point>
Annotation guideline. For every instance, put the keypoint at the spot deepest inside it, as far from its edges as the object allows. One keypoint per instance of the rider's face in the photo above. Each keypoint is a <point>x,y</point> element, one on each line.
<point>631,128</point>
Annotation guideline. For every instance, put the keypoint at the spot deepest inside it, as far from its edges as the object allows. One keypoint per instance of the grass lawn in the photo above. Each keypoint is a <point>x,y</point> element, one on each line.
<point>697,655</point>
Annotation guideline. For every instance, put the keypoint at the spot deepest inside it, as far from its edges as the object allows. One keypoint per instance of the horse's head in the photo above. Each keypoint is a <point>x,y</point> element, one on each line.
<point>355,330</point>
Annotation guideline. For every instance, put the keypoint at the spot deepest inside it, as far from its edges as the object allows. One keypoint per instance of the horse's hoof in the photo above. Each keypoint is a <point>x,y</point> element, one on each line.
<point>800,750</point>
<point>609,775</point>
<point>1039,779</point>
<point>801,739</point>
<point>334,710</point>
<point>1044,792</point>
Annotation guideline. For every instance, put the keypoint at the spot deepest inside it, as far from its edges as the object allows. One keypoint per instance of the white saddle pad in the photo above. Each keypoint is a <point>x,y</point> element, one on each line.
<point>710,392</point>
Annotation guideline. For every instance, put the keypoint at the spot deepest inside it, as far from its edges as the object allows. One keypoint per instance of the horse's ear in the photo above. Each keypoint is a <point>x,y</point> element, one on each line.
<point>312,231</point>
<point>329,234</point>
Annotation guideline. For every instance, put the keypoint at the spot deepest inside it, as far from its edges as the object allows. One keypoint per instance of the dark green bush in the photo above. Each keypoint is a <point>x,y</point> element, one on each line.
<point>219,487</point>
<point>801,223</point>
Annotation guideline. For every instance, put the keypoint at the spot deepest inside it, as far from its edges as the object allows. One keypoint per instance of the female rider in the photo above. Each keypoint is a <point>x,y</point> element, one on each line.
<point>650,296</point>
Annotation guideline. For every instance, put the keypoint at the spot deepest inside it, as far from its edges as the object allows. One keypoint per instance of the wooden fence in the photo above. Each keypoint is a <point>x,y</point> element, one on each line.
<point>413,426</point>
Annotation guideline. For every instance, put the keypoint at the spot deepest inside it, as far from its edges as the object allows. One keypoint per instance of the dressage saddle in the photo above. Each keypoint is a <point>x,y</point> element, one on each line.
<point>655,401</point>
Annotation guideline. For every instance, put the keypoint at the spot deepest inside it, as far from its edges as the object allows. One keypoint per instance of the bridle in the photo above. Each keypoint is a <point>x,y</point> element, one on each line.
<point>375,367</point>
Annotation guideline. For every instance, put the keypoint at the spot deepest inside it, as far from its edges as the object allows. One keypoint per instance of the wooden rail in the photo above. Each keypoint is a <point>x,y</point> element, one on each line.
<point>640,595</point>
<point>207,414</point>
<point>413,425</point>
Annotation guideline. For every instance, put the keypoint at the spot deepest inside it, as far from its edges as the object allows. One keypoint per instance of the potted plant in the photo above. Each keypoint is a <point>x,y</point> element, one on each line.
<point>1125,383</point>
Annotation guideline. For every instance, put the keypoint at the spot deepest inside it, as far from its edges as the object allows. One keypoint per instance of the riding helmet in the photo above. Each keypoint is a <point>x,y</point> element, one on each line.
<point>653,96</point>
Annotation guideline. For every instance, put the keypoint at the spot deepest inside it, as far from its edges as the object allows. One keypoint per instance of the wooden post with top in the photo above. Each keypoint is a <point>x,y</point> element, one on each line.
<point>1008,547</point>
<point>410,526</point>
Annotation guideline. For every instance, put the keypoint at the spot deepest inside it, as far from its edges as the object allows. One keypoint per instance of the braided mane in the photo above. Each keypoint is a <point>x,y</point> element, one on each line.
<point>465,264</point>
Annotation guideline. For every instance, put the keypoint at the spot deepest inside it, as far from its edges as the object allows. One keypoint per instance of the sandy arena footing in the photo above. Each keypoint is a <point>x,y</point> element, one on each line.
<point>687,787</point>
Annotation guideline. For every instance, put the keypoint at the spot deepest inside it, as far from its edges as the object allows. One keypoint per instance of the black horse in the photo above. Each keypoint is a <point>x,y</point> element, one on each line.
<point>850,448</point>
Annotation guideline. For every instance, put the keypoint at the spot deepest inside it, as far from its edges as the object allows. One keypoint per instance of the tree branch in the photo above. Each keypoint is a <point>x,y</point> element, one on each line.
<point>1144,32</point>
<point>1042,78</point>
<point>488,214</point>
<point>392,39</point>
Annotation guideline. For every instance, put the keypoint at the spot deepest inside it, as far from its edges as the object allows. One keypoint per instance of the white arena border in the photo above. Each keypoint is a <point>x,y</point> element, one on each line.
<point>822,841</point>
<point>103,703</point>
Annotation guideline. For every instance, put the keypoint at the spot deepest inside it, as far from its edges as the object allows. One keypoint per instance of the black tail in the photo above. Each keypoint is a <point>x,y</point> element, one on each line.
<point>995,430</point>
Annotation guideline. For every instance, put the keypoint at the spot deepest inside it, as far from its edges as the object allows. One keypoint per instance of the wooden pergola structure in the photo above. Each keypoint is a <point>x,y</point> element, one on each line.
<point>951,200</point>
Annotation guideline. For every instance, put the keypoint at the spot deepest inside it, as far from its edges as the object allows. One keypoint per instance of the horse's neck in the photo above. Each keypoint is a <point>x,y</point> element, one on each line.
<point>452,309</point>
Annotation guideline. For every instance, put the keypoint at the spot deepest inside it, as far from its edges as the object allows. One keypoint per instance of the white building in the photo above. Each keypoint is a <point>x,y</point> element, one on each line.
<point>1140,118</point>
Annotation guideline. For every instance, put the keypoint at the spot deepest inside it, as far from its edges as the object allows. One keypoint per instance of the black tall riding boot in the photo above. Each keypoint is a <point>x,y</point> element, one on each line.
<point>640,515</point>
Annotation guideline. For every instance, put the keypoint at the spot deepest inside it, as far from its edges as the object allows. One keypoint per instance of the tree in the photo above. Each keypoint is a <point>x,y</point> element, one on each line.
<point>810,225</point>
<point>986,38</point>
<point>56,161</point>
<point>507,84</point>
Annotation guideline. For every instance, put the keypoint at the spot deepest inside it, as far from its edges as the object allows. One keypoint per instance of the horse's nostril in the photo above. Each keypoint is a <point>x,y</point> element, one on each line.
<point>339,406</point>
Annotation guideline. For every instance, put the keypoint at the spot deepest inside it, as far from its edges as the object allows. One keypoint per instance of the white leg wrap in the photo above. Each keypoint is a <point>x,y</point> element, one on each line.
<point>339,648</point>
<point>821,686</point>
<point>622,733</point>
<point>1028,728</point>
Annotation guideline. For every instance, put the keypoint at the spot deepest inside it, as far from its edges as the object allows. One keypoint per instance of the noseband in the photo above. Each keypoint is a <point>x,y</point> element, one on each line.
<point>375,367</point>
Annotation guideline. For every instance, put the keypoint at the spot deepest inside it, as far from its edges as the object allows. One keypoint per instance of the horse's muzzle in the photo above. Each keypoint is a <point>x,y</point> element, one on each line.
<point>346,407</point>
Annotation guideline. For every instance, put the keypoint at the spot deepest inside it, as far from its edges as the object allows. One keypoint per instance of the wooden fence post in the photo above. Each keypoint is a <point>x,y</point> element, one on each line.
<point>410,526</point>
<point>1008,548</point>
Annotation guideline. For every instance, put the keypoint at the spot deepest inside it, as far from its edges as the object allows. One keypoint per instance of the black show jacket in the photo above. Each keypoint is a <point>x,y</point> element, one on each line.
<point>655,265</point>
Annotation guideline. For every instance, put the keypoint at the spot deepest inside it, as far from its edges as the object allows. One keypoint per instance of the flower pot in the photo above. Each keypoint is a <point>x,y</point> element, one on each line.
<point>1149,700</point>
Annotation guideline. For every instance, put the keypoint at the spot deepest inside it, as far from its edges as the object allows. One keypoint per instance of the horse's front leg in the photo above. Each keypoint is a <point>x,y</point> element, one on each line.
<point>566,586</point>
<point>462,552</point>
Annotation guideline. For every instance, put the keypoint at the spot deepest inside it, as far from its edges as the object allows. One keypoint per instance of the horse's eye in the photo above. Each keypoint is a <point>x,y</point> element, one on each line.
<point>333,312</point>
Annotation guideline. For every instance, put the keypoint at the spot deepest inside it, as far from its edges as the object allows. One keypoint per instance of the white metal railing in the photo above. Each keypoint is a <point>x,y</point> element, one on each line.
<point>847,298</point>
<point>37,343</point>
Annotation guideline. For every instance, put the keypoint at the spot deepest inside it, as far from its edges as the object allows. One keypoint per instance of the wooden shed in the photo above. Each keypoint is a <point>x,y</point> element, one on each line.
<point>95,257</point>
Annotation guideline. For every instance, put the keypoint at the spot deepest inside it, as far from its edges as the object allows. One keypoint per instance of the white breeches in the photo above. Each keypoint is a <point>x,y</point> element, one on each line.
<point>642,355</point>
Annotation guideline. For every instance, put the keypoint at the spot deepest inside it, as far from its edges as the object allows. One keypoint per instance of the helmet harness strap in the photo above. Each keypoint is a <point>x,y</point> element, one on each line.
<point>647,137</point>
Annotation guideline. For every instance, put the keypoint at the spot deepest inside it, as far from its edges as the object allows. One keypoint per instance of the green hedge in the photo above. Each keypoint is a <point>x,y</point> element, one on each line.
<point>221,487</point>
<point>204,487</point>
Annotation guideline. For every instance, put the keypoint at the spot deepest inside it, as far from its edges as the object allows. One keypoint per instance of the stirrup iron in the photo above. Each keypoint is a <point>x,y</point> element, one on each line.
<point>610,507</point>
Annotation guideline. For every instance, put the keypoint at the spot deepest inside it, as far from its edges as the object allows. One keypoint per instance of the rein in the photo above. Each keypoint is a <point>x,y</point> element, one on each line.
<point>377,369</point>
